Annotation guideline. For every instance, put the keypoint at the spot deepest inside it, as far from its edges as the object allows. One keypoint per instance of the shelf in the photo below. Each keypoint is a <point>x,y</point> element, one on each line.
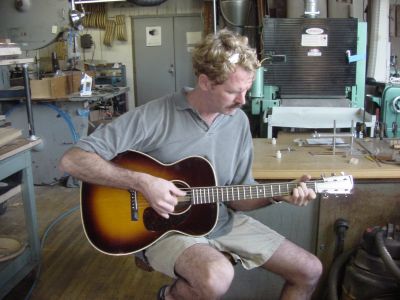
<point>96,1</point>
<point>15,61</point>
<point>10,193</point>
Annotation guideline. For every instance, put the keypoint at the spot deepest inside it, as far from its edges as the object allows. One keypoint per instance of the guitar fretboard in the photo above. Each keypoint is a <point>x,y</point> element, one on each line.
<point>242,192</point>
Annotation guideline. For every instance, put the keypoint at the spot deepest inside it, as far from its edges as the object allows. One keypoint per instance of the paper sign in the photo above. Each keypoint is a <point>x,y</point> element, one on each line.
<point>153,36</point>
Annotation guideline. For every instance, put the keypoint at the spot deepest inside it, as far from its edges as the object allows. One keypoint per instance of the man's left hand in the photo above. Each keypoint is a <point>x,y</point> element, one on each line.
<point>301,195</point>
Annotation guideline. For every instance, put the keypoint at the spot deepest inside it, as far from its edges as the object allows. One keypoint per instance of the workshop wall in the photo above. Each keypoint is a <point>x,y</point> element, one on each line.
<point>121,51</point>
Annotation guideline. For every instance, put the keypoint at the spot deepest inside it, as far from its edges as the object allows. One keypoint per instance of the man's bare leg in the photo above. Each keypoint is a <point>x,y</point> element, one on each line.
<point>204,273</point>
<point>300,269</point>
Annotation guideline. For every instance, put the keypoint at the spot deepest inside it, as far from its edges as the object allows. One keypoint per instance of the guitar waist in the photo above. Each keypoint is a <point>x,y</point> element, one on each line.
<point>224,222</point>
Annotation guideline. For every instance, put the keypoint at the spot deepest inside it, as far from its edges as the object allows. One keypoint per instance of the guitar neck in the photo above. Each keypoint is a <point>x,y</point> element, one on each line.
<point>205,195</point>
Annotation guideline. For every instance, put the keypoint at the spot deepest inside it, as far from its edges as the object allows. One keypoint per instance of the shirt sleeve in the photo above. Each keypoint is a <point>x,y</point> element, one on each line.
<point>125,132</point>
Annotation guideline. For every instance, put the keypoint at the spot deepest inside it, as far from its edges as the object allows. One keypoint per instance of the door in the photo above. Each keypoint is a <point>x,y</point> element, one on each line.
<point>162,55</point>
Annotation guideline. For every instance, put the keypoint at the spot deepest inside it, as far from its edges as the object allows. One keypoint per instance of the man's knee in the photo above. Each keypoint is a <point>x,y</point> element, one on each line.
<point>311,270</point>
<point>219,276</point>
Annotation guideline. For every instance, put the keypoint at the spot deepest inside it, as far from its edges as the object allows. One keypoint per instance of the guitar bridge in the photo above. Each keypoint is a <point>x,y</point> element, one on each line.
<point>134,206</point>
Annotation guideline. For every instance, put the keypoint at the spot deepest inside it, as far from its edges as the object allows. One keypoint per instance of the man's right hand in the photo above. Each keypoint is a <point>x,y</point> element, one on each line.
<point>161,194</point>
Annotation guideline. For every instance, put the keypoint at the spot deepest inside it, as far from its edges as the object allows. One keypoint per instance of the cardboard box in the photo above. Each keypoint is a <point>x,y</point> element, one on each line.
<point>49,88</point>
<point>74,80</point>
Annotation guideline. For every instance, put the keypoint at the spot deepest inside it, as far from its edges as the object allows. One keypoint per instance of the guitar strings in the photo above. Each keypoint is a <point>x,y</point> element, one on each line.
<point>232,193</point>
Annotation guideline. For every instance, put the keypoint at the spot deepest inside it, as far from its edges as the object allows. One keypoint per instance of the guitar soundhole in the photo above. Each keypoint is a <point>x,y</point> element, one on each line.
<point>154,222</point>
<point>184,203</point>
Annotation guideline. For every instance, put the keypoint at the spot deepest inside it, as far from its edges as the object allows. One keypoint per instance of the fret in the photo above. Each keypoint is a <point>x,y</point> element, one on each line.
<point>263,186</point>
<point>237,191</point>
<point>279,188</point>
<point>272,191</point>
<point>233,195</point>
<point>251,192</point>
<point>199,196</point>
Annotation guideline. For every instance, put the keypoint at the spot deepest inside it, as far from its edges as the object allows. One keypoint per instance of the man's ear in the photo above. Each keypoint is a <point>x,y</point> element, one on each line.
<point>204,82</point>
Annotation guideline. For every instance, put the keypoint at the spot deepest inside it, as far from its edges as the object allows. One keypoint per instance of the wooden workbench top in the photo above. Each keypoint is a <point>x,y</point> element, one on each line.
<point>16,146</point>
<point>314,160</point>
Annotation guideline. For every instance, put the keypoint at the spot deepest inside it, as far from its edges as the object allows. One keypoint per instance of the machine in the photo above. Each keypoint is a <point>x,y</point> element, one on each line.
<point>312,74</point>
<point>383,78</point>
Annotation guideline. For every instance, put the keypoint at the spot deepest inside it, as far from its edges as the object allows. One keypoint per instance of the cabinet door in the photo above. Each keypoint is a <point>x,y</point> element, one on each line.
<point>187,32</point>
<point>154,58</point>
<point>162,56</point>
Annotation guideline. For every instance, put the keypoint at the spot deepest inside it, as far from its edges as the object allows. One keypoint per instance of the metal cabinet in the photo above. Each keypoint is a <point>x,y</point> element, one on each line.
<point>162,56</point>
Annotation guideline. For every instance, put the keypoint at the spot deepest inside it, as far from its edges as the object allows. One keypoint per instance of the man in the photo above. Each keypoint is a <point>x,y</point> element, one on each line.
<point>205,121</point>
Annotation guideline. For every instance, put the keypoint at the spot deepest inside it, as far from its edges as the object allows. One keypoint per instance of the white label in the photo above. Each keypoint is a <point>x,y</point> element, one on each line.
<point>314,52</point>
<point>153,36</point>
<point>314,31</point>
<point>54,29</point>
<point>193,37</point>
<point>314,40</point>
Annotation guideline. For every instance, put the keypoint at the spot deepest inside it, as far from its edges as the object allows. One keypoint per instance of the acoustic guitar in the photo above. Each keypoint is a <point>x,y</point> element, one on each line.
<point>120,222</point>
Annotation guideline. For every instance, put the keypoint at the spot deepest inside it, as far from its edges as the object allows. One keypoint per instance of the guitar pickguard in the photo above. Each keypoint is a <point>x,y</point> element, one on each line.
<point>154,222</point>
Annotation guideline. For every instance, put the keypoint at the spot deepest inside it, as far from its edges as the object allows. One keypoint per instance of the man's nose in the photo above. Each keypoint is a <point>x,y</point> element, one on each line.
<point>241,98</point>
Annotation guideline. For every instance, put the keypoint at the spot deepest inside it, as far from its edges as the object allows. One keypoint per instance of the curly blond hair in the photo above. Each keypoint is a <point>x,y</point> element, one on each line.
<point>219,54</point>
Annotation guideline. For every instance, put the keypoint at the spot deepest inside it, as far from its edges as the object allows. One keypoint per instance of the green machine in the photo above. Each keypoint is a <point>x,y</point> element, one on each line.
<point>391,110</point>
<point>388,110</point>
<point>310,62</point>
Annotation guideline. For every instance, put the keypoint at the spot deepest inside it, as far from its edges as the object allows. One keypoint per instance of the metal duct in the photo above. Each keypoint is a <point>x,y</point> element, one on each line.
<point>296,8</point>
<point>311,9</point>
<point>147,2</point>
<point>378,43</point>
<point>235,13</point>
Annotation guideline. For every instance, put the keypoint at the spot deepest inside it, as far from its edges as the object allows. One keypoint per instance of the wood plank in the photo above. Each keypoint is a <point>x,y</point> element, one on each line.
<point>15,61</point>
<point>18,145</point>
<point>8,134</point>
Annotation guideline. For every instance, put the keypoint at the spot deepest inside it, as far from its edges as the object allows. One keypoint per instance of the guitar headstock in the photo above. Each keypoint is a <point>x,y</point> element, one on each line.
<point>342,184</point>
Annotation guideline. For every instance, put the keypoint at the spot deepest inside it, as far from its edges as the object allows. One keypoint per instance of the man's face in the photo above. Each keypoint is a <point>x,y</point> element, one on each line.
<point>230,95</point>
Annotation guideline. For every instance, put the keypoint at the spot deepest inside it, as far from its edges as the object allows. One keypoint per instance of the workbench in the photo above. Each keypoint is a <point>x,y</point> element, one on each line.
<point>60,123</point>
<point>316,160</point>
<point>375,201</point>
<point>15,157</point>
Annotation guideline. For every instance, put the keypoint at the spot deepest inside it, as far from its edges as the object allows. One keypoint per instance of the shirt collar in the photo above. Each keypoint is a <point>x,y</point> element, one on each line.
<point>181,100</point>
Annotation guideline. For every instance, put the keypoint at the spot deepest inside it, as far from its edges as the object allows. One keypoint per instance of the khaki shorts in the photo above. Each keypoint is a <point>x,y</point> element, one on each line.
<point>250,242</point>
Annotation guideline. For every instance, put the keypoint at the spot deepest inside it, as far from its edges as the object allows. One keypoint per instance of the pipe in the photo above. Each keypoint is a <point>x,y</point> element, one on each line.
<point>147,2</point>
<point>31,127</point>
<point>385,255</point>
<point>336,271</point>
<point>215,16</point>
<point>311,9</point>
